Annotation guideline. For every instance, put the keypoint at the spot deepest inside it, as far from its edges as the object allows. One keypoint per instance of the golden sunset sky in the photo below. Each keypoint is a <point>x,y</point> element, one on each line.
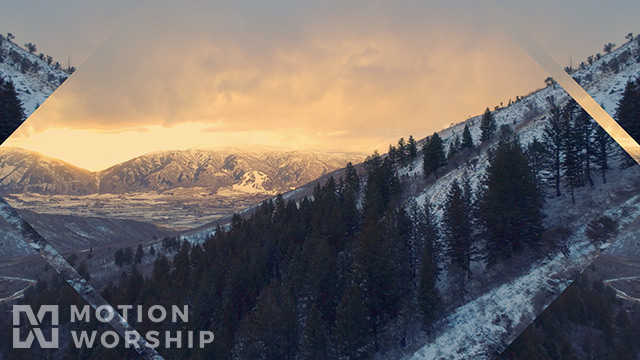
<point>326,76</point>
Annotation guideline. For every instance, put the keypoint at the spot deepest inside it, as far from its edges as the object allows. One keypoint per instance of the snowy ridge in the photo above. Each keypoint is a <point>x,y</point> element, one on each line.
<point>35,85</point>
<point>485,325</point>
<point>529,116</point>
<point>224,170</point>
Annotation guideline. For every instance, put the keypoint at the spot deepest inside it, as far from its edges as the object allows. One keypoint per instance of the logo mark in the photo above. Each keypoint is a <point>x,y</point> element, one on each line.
<point>35,329</point>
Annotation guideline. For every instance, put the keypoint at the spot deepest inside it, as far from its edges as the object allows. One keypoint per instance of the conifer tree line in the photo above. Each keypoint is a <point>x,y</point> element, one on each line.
<point>404,151</point>
<point>11,112</point>
<point>577,150</point>
<point>327,278</point>
<point>572,152</point>
<point>498,219</point>
<point>323,278</point>
<point>348,272</point>
<point>26,65</point>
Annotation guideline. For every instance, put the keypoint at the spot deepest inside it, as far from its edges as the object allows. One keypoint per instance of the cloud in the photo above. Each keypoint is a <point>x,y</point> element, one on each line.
<point>326,74</point>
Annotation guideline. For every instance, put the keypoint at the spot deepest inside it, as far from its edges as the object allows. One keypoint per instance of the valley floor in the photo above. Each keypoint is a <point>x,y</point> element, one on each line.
<point>178,209</point>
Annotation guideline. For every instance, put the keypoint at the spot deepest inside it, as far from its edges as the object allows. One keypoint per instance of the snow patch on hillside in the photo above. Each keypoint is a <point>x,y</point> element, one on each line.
<point>253,182</point>
<point>486,324</point>
<point>33,86</point>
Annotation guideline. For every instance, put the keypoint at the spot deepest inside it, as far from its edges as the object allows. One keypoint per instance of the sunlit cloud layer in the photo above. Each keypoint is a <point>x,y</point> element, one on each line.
<point>341,76</point>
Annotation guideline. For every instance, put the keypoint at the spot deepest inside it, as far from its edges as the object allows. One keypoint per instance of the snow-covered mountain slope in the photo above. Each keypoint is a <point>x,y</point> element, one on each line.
<point>503,302</point>
<point>269,172</point>
<point>253,182</point>
<point>266,172</point>
<point>34,78</point>
<point>27,171</point>
<point>528,116</point>
<point>484,325</point>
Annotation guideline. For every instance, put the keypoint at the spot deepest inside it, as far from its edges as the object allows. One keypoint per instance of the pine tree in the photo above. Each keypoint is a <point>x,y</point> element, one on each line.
<point>432,236</point>
<point>314,337</point>
<point>11,112</point>
<point>585,132</point>
<point>412,147</point>
<point>602,148</point>
<point>554,141</point>
<point>351,178</point>
<point>434,156</point>
<point>454,147</point>
<point>487,126</point>
<point>538,156</point>
<point>393,154</point>
<point>428,297</point>
<point>351,324</point>
<point>467,141</point>
<point>510,204</point>
<point>571,148</point>
<point>402,152</point>
<point>628,112</point>
<point>139,254</point>
<point>424,237</point>
<point>458,227</point>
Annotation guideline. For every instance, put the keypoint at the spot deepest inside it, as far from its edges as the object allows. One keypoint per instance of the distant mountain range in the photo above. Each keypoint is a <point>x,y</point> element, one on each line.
<point>260,171</point>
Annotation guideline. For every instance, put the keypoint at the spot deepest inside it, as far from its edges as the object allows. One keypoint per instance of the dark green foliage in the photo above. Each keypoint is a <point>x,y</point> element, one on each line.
<point>454,147</point>
<point>139,254</point>
<point>412,147</point>
<point>467,141</point>
<point>11,112</point>
<point>433,153</point>
<point>554,141</point>
<point>602,229</point>
<point>608,47</point>
<point>382,185</point>
<point>458,228</point>
<point>538,156</point>
<point>351,178</point>
<point>351,329</point>
<point>628,113</point>
<point>310,280</point>
<point>403,152</point>
<point>556,239</point>
<point>510,205</point>
<point>571,165</point>
<point>123,257</point>
<point>315,335</point>
<point>270,330</point>
<point>602,148</point>
<point>170,244</point>
<point>585,132</point>
<point>31,47</point>
<point>428,297</point>
<point>403,156</point>
<point>487,126</point>
<point>393,154</point>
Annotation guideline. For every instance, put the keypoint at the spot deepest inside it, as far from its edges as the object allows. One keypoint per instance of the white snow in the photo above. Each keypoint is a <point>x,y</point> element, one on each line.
<point>253,183</point>
<point>472,328</point>
<point>33,88</point>
<point>486,324</point>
